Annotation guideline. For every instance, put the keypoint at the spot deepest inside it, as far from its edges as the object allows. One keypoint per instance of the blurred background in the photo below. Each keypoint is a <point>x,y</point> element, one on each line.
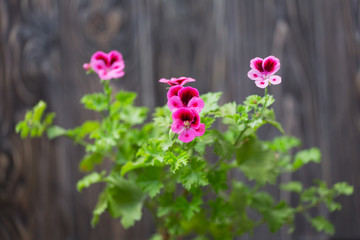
<point>45,42</point>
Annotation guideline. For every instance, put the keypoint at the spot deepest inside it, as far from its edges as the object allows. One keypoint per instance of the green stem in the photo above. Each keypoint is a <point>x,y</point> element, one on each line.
<point>107,91</point>
<point>240,135</point>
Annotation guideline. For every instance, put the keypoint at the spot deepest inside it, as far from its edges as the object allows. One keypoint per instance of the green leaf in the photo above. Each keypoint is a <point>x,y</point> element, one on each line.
<point>100,207</point>
<point>279,215</point>
<point>34,123</point>
<point>321,224</point>
<point>90,179</point>
<point>211,102</point>
<point>176,161</point>
<point>125,98</point>
<point>129,166</point>
<point>125,200</point>
<point>306,156</point>
<point>90,160</point>
<point>224,149</point>
<point>55,131</point>
<point>97,102</point>
<point>133,115</point>
<point>156,236</point>
<point>292,187</point>
<point>257,162</point>
<point>284,143</point>
<point>193,175</point>
<point>150,180</point>
<point>343,188</point>
<point>269,117</point>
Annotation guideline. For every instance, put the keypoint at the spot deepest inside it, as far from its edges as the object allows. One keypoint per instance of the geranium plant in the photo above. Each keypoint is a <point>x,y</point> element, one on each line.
<point>195,179</point>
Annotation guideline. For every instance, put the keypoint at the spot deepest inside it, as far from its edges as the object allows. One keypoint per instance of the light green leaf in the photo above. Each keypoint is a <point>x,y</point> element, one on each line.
<point>292,187</point>
<point>211,102</point>
<point>90,179</point>
<point>101,206</point>
<point>306,156</point>
<point>96,102</point>
<point>55,131</point>
<point>343,188</point>
<point>321,224</point>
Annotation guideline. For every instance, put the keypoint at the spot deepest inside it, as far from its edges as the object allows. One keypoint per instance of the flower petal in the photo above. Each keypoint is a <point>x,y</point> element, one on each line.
<point>271,65</point>
<point>104,74</point>
<point>256,63</point>
<point>196,120</point>
<point>114,56</point>
<point>254,74</point>
<point>200,130</point>
<point>99,60</point>
<point>174,103</point>
<point>173,91</point>
<point>262,83</point>
<point>187,93</point>
<point>182,80</point>
<point>177,81</point>
<point>177,126</point>
<point>184,114</point>
<point>196,103</point>
<point>187,135</point>
<point>275,80</point>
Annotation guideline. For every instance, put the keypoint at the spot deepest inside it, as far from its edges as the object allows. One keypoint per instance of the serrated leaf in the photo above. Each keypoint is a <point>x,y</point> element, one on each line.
<point>284,143</point>
<point>279,215</point>
<point>125,98</point>
<point>176,161</point>
<point>306,156</point>
<point>150,180</point>
<point>321,224</point>
<point>125,200</point>
<point>211,102</point>
<point>256,162</point>
<point>194,175</point>
<point>96,102</point>
<point>90,179</point>
<point>100,207</point>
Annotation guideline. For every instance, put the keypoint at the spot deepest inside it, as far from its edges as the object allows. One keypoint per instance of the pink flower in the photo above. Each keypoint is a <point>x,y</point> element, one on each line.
<point>187,124</point>
<point>108,65</point>
<point>184,97</point>
<point>87,67</point>
<point>263,70</point>
<point>177,81</point>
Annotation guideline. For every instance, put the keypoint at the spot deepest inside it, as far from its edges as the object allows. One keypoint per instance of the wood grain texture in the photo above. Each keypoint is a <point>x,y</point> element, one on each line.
<point>44,43</point>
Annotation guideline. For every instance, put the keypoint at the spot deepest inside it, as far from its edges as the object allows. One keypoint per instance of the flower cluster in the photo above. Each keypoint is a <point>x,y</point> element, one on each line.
<point>185,104</point>
<point>106,65</point>
<point>263,70</point>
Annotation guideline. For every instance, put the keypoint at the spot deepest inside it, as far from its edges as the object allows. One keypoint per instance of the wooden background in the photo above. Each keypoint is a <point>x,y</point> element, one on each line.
<point>44,43</point>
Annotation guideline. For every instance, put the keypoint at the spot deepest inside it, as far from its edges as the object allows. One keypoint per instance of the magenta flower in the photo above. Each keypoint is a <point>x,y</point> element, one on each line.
<point>177,81</point>
<point>108,65</point>
<point>187,124</point>
<point>263,70</point>
<point>187,97</point>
